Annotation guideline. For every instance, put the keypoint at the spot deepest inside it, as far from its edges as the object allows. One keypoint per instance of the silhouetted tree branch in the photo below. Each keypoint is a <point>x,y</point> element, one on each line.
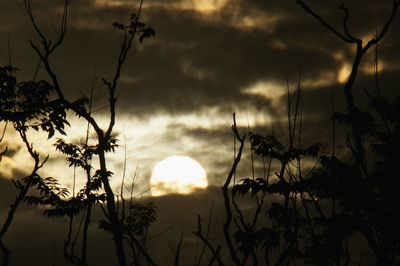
<point>204,238</point>
<point>361,50</point>
<point>349,38</point>
<point>25,110</point>
<point>106,143</point>
<point>225,191</point>
<point>23,188</point>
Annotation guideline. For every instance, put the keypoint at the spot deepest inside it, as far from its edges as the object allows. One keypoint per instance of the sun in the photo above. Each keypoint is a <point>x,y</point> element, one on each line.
<point>177,174</point>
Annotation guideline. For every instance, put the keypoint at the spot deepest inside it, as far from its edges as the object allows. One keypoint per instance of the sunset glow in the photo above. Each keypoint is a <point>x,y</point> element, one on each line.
<point>344,73</point>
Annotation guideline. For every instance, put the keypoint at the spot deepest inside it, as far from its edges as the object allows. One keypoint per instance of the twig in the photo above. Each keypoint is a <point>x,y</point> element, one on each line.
<point>228,210</point>
<point>206,242</point>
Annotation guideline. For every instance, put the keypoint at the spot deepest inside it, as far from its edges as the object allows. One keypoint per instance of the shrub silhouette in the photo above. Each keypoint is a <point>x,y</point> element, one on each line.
<point>42,106</point>
<point>26,105</point>
<point>312,216</point>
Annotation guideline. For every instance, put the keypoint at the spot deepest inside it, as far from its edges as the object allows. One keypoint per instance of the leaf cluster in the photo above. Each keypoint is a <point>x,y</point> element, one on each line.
<point>315,215</point>
<point>76,155</point>
<point>250,240</point>
<point>28,104</point>
<point>137,222</point>
<point>140,218</point>
<point>270,146</point>
<point>135,26</point>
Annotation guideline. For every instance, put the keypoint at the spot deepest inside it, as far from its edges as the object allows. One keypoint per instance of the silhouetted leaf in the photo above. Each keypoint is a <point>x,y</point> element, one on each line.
<point>146,33</point>
<point>140,218</point>
<point>105,225</point>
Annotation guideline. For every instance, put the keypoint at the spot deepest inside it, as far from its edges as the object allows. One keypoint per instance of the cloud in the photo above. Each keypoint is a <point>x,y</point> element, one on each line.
<point>203,65</point>
<point>200,61</point>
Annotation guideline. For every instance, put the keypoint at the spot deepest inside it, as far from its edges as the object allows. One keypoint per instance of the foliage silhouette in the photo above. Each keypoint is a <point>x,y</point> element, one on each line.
<point>26,105</point>
<point>42,105</point>
<point>310,216</point>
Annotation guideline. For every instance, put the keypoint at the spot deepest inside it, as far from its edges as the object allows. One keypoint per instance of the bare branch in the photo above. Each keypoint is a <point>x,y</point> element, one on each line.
<point>178,252</point>
<point>63,27</point>
<point>343,8</point>
<point>23,189</point>
<point>206,242</point>
<point>323,22</point>
<point>228,209</point>
<point>379,36</point>
<point>47,45</point>
<point>31,17</point>
<point>143,251</point>
<point>238,156</point>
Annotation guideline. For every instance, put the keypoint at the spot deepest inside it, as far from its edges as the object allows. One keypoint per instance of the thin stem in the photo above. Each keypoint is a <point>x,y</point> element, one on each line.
<point>228,209</point>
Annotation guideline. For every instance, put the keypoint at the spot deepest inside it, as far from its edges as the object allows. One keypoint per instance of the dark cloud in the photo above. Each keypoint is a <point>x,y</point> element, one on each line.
<point>220,62</point>
<point>199,61</point>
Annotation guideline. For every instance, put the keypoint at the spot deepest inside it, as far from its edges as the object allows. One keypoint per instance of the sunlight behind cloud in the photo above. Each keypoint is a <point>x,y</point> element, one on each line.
<point>267,89</point>
<point>204,6</point>
<point>177,174</point>
<point>370,69</point>
<point>112,3</point>
<point>344,73</point>
<point>260,21</point>
<point>8,166</point>
<point>323,80</point>
<point>147,141</point>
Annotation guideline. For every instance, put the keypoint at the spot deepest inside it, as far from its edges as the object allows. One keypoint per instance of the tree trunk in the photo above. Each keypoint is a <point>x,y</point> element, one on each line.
<point>112,212</point>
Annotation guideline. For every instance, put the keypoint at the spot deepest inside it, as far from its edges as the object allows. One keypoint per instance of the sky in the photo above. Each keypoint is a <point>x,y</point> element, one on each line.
<point>208,59</point>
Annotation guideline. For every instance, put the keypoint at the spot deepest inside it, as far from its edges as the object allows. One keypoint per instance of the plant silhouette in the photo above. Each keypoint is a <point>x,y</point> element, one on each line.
<point>42,106</point>
<point>305,216</point>
<point>26,105</point>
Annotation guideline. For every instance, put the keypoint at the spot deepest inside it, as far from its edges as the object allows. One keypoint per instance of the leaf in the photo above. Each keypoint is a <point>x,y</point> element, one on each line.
<point>51,133</point>
<point>146,33</point>
<point>106,226</point>
<point>140,218</point>
<point>266,145</point>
